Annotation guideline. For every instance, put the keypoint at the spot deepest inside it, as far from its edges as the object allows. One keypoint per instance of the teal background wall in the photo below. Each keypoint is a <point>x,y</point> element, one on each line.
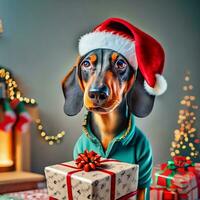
<point>40,42</point>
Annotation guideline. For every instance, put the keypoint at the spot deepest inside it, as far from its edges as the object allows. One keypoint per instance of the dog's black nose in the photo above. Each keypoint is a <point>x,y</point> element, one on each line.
<point>98,95</point>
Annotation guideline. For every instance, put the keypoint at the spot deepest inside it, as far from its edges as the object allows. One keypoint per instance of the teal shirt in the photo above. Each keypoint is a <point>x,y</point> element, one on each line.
<point>134,148</point>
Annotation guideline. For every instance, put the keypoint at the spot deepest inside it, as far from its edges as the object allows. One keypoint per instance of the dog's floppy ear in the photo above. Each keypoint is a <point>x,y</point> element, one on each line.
<point>72,93</point>
<point>140,103</point>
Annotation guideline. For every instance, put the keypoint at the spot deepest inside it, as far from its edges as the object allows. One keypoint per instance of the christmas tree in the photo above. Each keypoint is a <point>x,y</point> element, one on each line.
<point>186,139</point>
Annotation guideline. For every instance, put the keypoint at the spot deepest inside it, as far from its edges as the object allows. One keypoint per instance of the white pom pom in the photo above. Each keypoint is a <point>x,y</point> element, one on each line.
<point>159,88</point>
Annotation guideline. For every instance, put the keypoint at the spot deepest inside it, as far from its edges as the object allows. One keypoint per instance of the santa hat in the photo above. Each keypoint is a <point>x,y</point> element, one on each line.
<point>141,50</point>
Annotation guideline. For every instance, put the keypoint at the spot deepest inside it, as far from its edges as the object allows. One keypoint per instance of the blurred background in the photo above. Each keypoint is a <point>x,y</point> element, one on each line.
<point>39,45</point>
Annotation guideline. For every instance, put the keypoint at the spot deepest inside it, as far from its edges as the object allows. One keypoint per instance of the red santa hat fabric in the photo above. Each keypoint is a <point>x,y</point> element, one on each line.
<point>140,49</point>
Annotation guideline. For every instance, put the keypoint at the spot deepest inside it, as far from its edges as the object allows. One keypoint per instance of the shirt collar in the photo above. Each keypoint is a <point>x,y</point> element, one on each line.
<point>124,137</point>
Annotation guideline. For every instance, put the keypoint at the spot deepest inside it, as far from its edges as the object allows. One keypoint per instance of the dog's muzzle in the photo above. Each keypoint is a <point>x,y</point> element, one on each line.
<point>99,95</point>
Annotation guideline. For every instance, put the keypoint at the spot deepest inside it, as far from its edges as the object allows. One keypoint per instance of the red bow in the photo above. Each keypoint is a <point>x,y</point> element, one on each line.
<point>88,160</point>
<point>181,161</point>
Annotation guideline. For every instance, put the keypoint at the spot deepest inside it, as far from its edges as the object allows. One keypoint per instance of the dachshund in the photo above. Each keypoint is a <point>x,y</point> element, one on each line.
<point>112,90</point>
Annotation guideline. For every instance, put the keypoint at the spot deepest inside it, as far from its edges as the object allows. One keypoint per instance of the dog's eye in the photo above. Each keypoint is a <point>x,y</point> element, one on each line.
<point>86,64</point>
<point>121,64</point>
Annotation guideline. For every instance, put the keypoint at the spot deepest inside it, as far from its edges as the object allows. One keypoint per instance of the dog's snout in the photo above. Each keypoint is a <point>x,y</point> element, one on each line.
<point>98,95</point>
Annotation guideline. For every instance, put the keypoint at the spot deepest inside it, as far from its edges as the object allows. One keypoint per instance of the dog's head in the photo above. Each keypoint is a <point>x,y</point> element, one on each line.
<point>103,77</point>
<point>100,80</point>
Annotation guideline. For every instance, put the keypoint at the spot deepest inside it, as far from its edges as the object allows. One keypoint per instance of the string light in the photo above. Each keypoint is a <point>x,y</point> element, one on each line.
<point>173,154</point>
<point>12,87</point>
<point>13,92</point>
<point>183,137</point>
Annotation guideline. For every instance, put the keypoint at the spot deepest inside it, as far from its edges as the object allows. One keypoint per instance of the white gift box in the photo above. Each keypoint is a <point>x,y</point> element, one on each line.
<point>113,180</point>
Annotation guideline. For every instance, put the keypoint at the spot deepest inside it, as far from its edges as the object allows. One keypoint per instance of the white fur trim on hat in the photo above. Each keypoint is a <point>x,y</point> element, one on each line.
<point>159,88</point>
<point>108,40</point>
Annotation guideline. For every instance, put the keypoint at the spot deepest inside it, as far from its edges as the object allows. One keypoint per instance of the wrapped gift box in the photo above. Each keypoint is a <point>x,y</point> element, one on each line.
<point>181,179</point>
<point>161,193</point>
<point>112,180</point>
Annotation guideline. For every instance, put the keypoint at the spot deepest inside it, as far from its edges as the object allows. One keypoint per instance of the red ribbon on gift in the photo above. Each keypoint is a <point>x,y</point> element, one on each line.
<point>69,185</point>
<point>86,161</point>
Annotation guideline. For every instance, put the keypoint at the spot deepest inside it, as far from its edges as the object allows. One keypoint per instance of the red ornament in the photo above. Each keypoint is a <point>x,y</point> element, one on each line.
<point>88,160</point>
<point>197,141</point>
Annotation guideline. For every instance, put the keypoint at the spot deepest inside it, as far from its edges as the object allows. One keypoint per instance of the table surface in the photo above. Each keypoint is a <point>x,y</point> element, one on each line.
<point>19,176</point>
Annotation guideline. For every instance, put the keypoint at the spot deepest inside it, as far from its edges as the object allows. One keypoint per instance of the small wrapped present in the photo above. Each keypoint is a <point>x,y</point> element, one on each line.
<point>161,193</point>
<point>178,175</point>
<point>89,177</point>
